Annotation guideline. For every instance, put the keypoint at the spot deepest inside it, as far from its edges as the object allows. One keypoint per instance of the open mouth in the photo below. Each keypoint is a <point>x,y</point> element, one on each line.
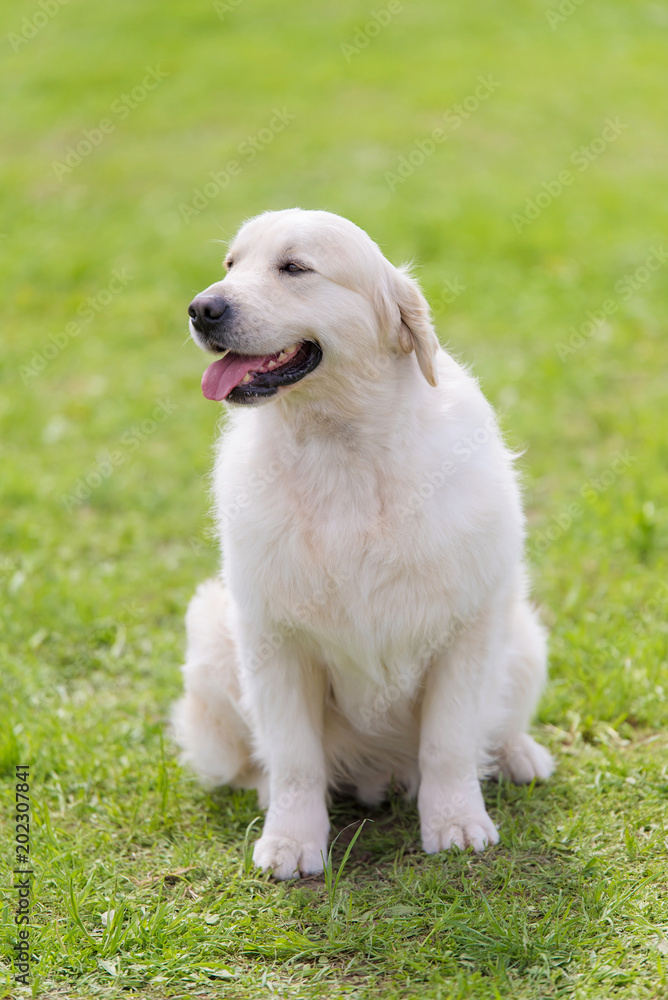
<point>245,378</point>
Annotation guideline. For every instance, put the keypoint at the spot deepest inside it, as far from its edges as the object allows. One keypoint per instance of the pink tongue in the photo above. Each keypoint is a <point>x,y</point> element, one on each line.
<point>223,375</point>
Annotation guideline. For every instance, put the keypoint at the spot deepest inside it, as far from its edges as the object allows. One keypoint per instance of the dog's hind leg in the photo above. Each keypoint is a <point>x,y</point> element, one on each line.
<point>207,722</point>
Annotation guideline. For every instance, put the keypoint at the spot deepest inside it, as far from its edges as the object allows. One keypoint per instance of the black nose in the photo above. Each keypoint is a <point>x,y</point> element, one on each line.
<point>206,312</point>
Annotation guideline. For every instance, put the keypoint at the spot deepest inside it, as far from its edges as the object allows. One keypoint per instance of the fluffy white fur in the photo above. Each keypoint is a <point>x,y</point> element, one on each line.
<point>372,619</point>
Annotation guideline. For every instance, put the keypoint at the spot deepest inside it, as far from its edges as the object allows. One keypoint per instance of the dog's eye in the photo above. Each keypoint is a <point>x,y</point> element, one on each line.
<point>228,264</point>
<point>292,268</point>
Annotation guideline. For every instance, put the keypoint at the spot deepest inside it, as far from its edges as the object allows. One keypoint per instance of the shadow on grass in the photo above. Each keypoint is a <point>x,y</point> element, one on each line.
<point>392,830</point>
<point>527,906</point>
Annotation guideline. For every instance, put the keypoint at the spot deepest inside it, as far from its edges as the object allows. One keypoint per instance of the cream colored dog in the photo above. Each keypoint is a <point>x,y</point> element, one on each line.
<point>372,620</point>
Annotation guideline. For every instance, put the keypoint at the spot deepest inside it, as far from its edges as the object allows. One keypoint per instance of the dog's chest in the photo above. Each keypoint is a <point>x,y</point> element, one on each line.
<point>361,605</point>
<point>347,568</point>
<point>319,542</point>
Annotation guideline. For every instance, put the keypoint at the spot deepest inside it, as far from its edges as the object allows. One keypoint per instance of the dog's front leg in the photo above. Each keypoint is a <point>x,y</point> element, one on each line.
<point>452,810</point>
<point>286,698</point>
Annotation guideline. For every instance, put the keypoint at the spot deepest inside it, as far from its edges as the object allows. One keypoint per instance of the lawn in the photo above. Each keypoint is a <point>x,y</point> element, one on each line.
<point>517,153</point>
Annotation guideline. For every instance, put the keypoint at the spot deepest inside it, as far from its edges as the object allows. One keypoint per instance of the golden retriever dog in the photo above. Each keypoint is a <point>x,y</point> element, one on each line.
<point>371,621</point>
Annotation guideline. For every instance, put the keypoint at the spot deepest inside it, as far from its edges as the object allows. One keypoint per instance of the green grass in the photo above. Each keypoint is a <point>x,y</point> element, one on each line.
<point>572,902</point>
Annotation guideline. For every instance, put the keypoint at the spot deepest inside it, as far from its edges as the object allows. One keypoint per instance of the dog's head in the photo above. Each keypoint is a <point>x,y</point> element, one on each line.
<point>308,300</point>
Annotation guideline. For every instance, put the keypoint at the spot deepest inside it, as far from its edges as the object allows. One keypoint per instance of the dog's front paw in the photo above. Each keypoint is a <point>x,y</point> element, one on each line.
<point>455,816</point>
<point>285,858</point>
<point>475,830</point>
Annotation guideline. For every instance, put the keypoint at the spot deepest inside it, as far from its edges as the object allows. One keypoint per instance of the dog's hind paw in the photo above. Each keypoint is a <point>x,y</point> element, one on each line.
<point>522,760</point>
<point>285,858</point>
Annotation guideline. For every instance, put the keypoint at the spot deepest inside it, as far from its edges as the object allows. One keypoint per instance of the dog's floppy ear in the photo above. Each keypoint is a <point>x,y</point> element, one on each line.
<point>415,327</point>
